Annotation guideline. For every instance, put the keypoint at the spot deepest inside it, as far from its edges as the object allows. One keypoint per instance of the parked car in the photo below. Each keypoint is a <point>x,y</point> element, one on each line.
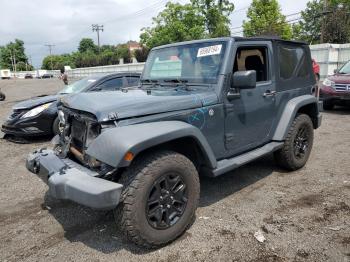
<point>2,96</point>
<point>335,89</point>
<point>28,76</point>
<point>204,107</point>
<point>316,69</point>
<point>38,116</point>
<point>46,76</point>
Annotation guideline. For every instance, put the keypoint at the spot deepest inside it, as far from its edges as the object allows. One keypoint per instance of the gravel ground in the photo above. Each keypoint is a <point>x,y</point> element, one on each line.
<point>304,215</point>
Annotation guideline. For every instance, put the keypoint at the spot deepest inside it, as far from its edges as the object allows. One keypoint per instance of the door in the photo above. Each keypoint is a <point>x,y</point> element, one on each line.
<point>250,116</point>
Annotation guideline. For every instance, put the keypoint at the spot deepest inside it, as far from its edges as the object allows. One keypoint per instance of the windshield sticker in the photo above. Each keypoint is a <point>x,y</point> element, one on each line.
<point>209,50</point>
<point>92,80</point>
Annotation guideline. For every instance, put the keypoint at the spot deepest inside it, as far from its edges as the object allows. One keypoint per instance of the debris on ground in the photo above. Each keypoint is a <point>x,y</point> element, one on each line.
<point>259,236</point>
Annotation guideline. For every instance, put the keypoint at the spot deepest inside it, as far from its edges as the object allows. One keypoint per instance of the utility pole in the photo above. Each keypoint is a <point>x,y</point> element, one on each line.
<point>97,28</point>
<point>325,5</point>
<point>50,46</point>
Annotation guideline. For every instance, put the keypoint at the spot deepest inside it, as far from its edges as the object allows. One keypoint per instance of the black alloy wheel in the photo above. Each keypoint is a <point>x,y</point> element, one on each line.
<point>167,201</point>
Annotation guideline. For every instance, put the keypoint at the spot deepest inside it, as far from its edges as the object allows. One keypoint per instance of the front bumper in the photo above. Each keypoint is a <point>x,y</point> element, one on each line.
<point>69,180</point>
<point>39,125</point>
<point>328,93</point>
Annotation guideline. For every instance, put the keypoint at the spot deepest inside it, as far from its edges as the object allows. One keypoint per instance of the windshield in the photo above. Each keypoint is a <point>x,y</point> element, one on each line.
<point>193,63</point>
<point>345,69</point>
<point>77,86</point>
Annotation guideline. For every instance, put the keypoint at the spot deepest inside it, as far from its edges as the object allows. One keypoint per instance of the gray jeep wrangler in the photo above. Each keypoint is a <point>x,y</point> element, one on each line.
<point>203,108</point>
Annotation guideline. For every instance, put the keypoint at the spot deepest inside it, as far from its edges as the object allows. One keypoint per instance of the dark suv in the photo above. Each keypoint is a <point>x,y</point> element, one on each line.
<point>203,108</point>
<point>335,89</point>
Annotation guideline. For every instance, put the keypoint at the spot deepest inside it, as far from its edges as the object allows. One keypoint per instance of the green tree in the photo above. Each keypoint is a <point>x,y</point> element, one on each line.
<point>310,25</point>
<point>331,17</point>
<point>336,23</point>
<point>7,52</point>
<point>174,24</point>
<point>87,44</point>
<point>124,53</point>
<point>265,18</point>
<point>141,54</point>
<point>58,62</point>
<point>216,14</point>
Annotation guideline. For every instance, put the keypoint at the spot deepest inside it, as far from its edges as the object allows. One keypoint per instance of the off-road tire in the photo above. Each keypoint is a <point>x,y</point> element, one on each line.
<point>138,180</point>
<point>285,157</point>
<point>328,105</point>
<point>55,124</point>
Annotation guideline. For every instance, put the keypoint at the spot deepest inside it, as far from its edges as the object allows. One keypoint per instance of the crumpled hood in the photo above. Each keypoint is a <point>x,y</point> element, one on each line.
<point>340,78</point>
<point>35,101</point>
<point>138,102</point>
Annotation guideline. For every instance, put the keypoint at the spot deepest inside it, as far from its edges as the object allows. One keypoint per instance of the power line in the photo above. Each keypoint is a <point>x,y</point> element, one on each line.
<point>293,14</point>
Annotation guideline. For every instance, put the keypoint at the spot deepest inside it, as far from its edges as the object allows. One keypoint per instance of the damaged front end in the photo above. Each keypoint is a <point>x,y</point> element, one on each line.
<point>69,172</point>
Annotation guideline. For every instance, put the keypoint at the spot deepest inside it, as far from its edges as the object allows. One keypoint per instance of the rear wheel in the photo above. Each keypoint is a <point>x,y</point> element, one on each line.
<point>159,200</point>
<point>328,105</point>
<point>298,144</point>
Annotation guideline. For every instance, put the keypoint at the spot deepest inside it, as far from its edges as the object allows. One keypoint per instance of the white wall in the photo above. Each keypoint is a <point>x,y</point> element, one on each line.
<point>330,57</point>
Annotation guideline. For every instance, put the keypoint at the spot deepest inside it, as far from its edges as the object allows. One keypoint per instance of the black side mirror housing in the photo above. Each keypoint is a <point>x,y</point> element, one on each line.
<point>335,71</point>
<point>244,79</point>
<point>241,80</point>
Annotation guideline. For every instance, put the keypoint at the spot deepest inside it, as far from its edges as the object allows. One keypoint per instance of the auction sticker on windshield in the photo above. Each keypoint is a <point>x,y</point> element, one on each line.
<point>209,50</point>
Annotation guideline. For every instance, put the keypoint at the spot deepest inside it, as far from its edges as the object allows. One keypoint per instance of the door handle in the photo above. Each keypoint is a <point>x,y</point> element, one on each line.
<point>269,93</point>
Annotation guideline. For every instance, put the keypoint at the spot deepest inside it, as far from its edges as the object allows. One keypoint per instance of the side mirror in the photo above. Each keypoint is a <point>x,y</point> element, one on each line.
<point>244,79</point>
<point>335,71</point>
<point>241,80</point>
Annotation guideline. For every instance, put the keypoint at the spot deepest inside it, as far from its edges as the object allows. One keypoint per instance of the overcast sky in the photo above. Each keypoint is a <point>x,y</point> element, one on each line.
<point>65,22</point>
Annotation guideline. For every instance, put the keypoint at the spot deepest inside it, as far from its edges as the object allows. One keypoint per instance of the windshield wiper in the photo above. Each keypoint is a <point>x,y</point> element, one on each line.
<point>183,83</point>
<point>150,81</point>
<point>179,81</point>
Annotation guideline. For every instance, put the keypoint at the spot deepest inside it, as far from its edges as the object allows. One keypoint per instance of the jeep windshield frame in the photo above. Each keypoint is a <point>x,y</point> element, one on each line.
<point>190,63</point>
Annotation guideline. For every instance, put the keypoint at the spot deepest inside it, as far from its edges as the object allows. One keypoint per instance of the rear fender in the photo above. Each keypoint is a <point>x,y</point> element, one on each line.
<point>290,111</point>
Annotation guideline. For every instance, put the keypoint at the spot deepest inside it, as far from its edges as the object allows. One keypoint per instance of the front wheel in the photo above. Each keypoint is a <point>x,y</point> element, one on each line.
<point>159,200</point>
<point>298,144</point>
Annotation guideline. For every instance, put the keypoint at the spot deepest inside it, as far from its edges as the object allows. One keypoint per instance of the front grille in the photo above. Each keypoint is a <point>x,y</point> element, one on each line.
<point>342,87</point>
<point>78,132</point>
<point>83,128</point>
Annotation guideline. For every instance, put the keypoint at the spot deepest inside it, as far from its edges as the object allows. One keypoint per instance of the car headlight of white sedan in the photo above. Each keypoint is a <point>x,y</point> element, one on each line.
<point>36,110</point>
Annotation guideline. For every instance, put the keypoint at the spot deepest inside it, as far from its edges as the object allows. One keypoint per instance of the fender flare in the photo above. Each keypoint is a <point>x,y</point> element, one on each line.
<point>112,144</point>
<point>289,114</point>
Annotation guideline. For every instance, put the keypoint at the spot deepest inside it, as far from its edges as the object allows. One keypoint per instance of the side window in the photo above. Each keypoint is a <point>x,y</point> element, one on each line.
<point>253,58</point>
<point>111,84</point>
<point>133,80</point>
<point>292,62</point>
